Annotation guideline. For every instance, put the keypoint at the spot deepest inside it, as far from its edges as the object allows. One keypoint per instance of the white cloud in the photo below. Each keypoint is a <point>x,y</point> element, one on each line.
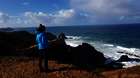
<point>58,18</point>
<point>83,12</point>
<point>108,11</point>
<point>36,17</point>
<point>4,17</point>
<point>112,7</point>
<point>63,17</point>
<point>65,13</point>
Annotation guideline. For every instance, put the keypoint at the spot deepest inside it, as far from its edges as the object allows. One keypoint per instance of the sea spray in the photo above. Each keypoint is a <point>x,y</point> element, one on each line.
<point>109,50</point>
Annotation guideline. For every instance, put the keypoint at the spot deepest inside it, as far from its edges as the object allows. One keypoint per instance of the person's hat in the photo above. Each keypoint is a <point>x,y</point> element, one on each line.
<point>41,28</point>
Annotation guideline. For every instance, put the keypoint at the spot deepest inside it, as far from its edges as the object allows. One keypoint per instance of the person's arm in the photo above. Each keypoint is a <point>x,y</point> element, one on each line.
<point>52,40</point>
<point>33,46</point>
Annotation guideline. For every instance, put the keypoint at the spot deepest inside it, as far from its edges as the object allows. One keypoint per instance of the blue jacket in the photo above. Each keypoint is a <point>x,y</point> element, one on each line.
<point>42,41</point>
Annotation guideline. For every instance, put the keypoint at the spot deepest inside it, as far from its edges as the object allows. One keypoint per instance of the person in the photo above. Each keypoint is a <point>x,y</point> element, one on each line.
<point>42,45</point>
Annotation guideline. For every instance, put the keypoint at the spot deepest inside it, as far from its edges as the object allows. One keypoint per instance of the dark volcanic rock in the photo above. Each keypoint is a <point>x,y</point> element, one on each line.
<point>10,41</point>
<point>51,36</point>
<point>82,55</point>
<point>86,54</point>
<point>62,36</point>
<point>125,58</point>
<point>6,29</point>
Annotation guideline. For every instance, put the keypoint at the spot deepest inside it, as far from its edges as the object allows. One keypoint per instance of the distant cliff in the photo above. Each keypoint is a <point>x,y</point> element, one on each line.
<point>8,29</point>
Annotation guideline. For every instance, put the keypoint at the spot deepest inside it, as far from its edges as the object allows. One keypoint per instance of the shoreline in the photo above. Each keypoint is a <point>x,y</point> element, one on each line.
<point>82,57</point>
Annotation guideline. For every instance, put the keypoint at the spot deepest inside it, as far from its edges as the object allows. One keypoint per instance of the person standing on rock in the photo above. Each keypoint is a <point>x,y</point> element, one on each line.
<point>42,45</point>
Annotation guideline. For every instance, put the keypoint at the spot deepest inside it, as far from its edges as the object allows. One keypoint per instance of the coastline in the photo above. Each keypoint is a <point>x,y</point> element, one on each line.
<point>24,64</point>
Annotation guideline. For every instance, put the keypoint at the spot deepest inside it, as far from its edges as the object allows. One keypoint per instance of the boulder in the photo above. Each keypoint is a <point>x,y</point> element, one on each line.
<point>82,55</point>
<point>62,36</point>
<point>87,54</point>
<point>51,36</point>
<point>125,58</point>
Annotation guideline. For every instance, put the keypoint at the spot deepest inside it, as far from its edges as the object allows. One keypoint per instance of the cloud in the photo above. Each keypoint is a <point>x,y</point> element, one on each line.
<point>108,11</point>
<point>82,12</point>
<point>4,17</point>
<point>61,17</point>
<point>36,17</point>
<point>112,7</point>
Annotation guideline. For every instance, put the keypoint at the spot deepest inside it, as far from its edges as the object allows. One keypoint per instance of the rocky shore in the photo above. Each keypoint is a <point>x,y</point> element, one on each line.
<point>85,58</point>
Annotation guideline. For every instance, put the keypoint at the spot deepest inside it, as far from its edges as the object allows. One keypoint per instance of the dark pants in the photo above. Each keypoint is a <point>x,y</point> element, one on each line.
<point>43,56</point>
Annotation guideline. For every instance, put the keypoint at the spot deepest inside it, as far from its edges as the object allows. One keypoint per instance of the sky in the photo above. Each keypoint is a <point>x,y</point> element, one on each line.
<point>28,13</point>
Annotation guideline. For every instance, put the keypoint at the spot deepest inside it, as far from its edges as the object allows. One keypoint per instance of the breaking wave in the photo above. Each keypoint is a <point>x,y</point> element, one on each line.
<point>109,50</point>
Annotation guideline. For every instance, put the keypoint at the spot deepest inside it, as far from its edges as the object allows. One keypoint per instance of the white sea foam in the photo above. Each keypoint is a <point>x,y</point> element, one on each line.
<point>109,50</point>
<point>71,44</point>
<point>110,45</point>
<point>74,40</point>
<point>132,50</point>
<point>130,64</point>
<point>74,37</point>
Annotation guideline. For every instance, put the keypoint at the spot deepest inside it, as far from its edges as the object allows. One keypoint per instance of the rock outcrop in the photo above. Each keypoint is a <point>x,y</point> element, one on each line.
<point>125,58</point>
<point>10,41</point>
<point>14,43</point>
<point>83,55</point>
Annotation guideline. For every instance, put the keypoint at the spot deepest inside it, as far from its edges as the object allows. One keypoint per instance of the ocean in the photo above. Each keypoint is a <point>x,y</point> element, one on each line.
<point>107,39</point>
